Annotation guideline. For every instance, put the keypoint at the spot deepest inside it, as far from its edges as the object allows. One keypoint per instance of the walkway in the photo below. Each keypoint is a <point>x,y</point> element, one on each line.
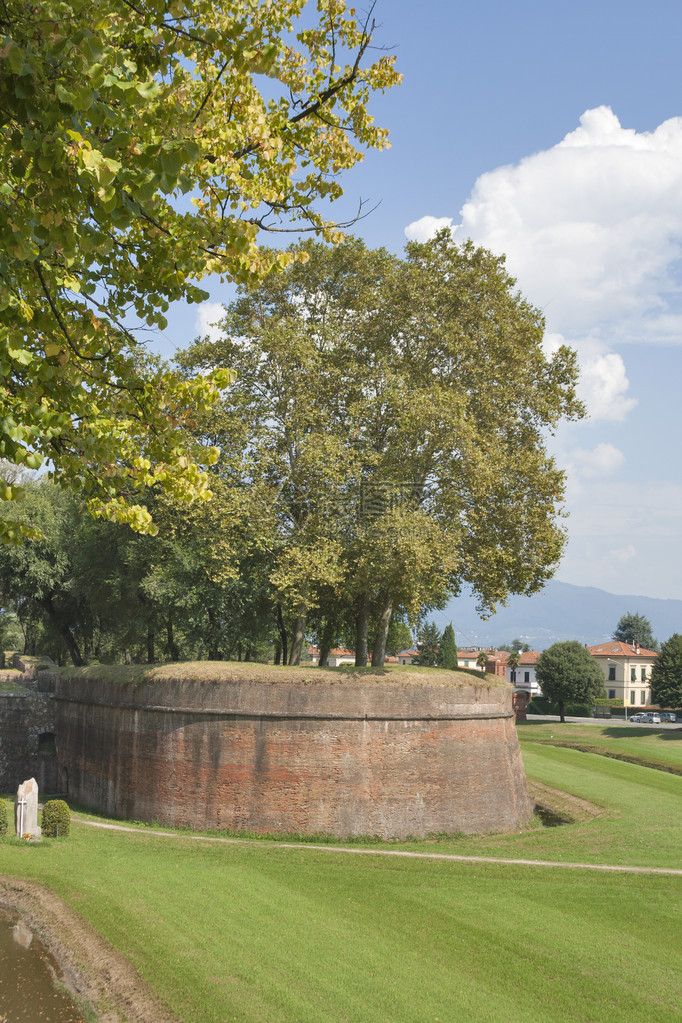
<point>361,851</point>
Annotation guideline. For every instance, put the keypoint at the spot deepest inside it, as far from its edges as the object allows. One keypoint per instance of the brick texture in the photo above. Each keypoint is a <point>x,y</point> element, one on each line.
<point>352,758</point>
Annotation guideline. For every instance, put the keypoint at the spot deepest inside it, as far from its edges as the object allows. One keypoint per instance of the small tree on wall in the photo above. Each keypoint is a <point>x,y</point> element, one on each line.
<point>568,673</point>
<point>447,652</point>
<point>429,642</point>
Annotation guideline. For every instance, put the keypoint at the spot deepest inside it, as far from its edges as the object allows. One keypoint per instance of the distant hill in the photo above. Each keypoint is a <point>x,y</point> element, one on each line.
<point>560,611</point>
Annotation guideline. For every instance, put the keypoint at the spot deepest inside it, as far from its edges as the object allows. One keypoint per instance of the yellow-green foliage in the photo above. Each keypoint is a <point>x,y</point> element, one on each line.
<point>3,817</point>
<point>56,821</point>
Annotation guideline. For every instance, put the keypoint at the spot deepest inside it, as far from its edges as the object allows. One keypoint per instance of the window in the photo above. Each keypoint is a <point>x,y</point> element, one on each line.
<point>612,694</point>
<point>526,676</point>
<point>47,742</point>
<point>466,664</point>
<point>632,696</point>
<point>642,696</point>
<point>643,674</point>
<point>612,673</point>
<point>633,674</point>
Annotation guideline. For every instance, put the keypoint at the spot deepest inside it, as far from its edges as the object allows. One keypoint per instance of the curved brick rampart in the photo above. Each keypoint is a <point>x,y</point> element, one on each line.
<point>308,752</point>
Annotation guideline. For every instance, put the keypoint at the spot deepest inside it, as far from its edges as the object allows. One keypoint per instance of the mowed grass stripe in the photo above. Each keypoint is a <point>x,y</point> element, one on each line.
<point>247,933</point>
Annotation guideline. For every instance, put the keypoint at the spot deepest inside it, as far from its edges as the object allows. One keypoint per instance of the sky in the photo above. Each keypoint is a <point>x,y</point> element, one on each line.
<point>552,133</point>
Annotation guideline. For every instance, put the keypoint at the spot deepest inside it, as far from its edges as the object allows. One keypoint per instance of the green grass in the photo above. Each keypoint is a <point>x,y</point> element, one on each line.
<point>261,933</point>
<point>645,744</point>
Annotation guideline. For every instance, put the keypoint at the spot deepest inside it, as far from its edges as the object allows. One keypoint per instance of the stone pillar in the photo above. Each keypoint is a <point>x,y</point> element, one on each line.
<point>26,810</point>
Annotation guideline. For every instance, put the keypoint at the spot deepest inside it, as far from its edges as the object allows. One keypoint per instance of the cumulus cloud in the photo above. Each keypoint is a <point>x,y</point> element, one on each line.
<point>208,314</point>
<point>425,228</point>
<point>603,460</point>
<point>592,228</point>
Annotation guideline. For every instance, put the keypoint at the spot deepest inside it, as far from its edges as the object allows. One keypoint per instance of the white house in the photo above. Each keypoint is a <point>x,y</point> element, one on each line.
<point>523,677</point>
<point>627,671</point>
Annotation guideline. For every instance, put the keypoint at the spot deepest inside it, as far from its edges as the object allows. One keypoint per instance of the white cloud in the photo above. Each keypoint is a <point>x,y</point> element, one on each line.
<point>422,230</point>
<point>208,314</point>
<point>592,228</point>
<point>603,460</point>
<point>624,554</point>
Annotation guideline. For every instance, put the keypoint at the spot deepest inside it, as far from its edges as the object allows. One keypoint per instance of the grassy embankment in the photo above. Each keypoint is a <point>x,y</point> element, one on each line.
<point>258,932</point>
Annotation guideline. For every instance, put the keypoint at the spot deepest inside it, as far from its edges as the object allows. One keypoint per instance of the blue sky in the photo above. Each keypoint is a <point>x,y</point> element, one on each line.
<point>553,133</point>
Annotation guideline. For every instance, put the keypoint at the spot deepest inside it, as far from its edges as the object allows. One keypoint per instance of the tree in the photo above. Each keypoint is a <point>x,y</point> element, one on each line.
<point>137,155</point>
<point>447,652</point>
<point>35,577</point>
<point>635,628</point>
<point>567,672</point>
<point>370,397</point>
<point>666,674</point>
<point>482,659</point>
<point>514,662</point>
<point>428,643</point>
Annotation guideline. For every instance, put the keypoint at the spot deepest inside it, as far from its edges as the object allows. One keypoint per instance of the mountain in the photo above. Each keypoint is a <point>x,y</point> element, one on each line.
<point>560,611</point>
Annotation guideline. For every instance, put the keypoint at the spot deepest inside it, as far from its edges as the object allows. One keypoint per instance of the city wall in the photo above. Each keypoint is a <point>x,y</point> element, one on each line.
<point>264,749</point>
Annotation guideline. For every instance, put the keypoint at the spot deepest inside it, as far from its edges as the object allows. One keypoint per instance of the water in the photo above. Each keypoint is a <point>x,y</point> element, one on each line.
<point>28,975</point>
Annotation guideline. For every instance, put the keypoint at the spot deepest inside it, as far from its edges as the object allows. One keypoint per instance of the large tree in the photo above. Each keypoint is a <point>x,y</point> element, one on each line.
<point>635,628</point>
<point>371,396</point>
<point>568,673</point>
<point>143,145</point>
<point>666,675</point>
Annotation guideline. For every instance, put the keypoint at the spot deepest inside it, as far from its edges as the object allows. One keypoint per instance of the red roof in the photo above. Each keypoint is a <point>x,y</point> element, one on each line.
<point>614,648</point>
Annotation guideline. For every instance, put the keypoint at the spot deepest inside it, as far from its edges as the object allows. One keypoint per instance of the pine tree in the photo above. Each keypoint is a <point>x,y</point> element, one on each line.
<point>447,652</point>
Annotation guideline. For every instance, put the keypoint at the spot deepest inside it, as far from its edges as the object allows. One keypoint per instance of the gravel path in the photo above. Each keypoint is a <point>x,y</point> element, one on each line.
<point>361,851</point>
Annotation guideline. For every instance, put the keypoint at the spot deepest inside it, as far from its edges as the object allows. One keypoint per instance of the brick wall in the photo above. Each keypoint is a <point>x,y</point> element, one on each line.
<point>345,758</point>
<point>26,722</point>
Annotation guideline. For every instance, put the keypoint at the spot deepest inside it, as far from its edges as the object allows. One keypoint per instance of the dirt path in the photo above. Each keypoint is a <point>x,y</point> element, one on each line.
<point>93,971</point>
<point>362,851</point>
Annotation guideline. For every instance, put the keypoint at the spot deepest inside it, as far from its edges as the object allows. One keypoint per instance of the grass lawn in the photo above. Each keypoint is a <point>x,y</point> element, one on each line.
<point>261,933</point>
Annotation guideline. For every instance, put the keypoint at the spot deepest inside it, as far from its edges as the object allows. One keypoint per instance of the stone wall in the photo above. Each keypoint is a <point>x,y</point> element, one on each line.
<point>27,741</point>
<point>296,751</point>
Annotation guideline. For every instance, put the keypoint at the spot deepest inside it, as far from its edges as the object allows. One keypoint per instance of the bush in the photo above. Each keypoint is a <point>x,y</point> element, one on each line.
<point>3,817</point>
<point>56,819</point>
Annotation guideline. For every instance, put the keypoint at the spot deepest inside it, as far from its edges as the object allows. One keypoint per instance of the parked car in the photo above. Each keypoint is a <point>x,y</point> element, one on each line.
<point>638,718</point>
<point>667,716</point>
<point>652,719</point>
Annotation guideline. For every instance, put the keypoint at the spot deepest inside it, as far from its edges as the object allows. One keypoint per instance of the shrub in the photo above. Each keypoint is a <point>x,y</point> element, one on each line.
<point>56,819</point>
<point>3,817</point>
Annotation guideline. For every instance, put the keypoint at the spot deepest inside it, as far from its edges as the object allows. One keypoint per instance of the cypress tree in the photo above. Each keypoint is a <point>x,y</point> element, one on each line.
<point>447,651</point>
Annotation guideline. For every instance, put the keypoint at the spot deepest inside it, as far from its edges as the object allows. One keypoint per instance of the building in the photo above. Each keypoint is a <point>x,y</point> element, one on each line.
<point>467,657</point>
<point>336,657</point>
<point>627,671</point>
<point>523,677</point>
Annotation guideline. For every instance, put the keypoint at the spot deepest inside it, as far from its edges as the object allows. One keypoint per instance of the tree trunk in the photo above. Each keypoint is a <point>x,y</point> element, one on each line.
<point>561,711</point>
<point>151,657</point>
<point>173,651</point>
<point>278,652</point>
<point>282,633</point>
<point>65,632</point>
<point>326,640</point>
<point>297,639</point>
<point>379,650</point>
<point>361,631</point>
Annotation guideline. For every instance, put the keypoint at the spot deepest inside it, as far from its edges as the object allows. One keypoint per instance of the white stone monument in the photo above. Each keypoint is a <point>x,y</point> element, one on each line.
<point>26,810</point>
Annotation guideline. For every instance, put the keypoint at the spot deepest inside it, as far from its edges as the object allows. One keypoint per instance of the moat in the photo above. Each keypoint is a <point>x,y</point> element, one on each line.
<point>29,978</point>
